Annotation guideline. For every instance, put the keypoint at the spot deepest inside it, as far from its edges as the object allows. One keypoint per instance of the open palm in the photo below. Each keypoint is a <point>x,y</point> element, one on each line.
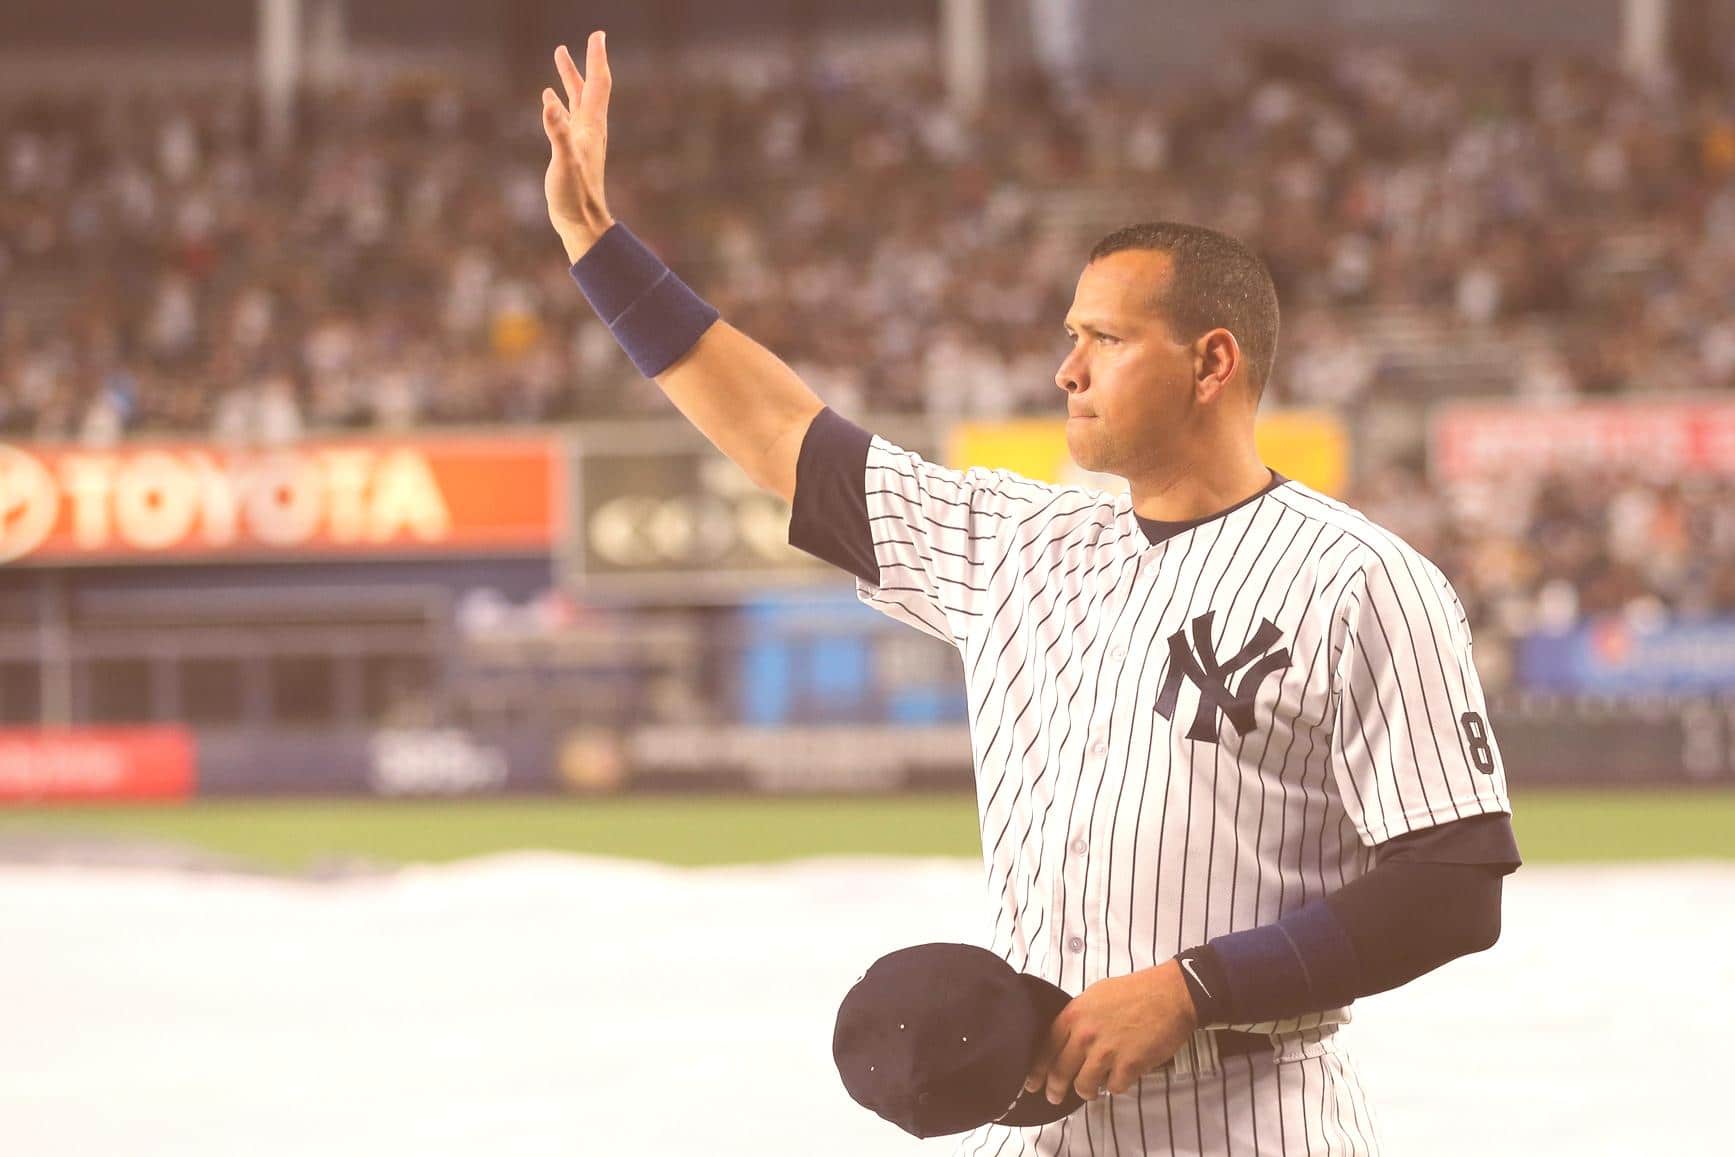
<point>578,141</point>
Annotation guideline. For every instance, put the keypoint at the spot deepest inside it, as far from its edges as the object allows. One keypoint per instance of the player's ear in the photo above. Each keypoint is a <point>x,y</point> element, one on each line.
<point>1216,357</point>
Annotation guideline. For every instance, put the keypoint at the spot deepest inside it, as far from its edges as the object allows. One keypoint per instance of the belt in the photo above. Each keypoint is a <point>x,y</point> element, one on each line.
<point>1240,1044</point>
<point>1196,1055</point>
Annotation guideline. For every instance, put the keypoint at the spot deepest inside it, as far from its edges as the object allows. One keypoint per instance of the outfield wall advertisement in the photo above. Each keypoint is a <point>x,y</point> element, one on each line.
<point>60,766</point>
<point>1547,742</point>
<point>355,498</point>
<point>680,519</point>
<point>390,761</point>
<point>1614,657</point>
<point>663,517</point>
<point>1667,439</point>
<point>141,764</point>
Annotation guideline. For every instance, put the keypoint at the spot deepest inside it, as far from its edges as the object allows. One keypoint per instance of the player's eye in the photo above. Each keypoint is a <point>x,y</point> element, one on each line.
<point>1107,339</point>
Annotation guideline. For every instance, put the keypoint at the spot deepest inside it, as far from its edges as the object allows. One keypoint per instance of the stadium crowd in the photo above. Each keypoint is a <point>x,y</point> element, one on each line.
<point>1553,552</point>
<point>160,272</point>
<point>396,266</point>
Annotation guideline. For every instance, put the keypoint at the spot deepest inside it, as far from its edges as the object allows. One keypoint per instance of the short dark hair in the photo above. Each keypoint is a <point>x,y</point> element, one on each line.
<point>1216,281</point>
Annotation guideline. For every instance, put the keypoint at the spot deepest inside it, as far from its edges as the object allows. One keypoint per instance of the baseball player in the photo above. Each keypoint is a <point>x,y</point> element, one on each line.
<point>1233,765</point>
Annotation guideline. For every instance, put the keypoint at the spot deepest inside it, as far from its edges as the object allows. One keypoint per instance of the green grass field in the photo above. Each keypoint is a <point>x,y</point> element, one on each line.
<point>1553,826</point>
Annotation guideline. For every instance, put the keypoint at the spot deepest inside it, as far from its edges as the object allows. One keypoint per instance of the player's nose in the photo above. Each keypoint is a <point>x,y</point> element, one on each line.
<point>1070,377</point>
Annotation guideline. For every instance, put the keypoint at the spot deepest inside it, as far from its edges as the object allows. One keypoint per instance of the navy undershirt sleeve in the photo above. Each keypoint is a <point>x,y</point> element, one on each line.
<point>1407,918</point>
<point>1431,897</point>
<point>828,518</point>
<point>1485,840</point>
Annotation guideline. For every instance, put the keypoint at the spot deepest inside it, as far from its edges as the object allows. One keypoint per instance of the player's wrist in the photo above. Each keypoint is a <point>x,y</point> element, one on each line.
<point>654,315</point>
<point>1207,984</point>
<point>579,237</point>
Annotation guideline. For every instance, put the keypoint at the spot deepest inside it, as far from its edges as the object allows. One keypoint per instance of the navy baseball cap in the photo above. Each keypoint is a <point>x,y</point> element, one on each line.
<point>938,1039</point>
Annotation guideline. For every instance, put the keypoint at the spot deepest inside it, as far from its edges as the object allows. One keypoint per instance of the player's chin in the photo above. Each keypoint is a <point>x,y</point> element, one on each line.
<point>1086,450</point>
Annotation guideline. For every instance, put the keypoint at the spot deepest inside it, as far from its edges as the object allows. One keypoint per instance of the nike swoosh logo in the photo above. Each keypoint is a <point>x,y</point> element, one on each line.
<point>1193,972</point>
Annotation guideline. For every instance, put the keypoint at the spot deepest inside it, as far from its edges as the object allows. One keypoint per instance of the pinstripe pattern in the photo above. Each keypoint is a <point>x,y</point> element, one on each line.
<point>1311,1103</point>
<point>1111,840</point>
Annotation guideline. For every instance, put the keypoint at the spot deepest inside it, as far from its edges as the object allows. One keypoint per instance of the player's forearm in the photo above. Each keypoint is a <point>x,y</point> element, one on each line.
<point>747,401</point>
<point>740,395</point>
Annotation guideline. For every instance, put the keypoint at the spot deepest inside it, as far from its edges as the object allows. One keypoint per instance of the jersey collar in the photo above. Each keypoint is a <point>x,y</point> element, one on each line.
<point>1157,531</point>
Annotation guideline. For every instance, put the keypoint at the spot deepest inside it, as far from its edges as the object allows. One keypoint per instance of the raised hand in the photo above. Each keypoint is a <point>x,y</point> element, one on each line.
<point>578,139</point>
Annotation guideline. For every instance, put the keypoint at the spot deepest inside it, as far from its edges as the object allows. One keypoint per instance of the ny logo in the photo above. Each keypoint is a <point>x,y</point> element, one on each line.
<point>1211,676</point>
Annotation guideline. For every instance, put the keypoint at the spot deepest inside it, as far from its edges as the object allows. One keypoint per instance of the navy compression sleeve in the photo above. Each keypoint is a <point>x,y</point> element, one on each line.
<point>1399,921</point>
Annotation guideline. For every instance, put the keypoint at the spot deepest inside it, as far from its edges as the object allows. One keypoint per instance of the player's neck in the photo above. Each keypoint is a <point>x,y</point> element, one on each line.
<point>1196,490</point>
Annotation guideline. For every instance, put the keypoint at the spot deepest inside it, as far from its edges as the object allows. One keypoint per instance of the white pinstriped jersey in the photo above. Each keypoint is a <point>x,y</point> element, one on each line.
<point>1180,739</point>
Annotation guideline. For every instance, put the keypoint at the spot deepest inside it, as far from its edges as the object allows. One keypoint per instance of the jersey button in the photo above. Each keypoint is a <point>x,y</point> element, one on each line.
<point>1076,944</point>
<point>1118,653</point>
<point>1098,747</point>
<point>1079,846</point>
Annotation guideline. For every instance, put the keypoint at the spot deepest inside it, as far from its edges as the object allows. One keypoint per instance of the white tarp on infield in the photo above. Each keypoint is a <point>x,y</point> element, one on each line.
<point>538,1004</point>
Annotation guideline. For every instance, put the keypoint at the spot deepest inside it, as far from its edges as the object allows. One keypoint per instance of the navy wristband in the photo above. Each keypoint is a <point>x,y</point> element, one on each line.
<point>653,314</point>
<point>1206,984</point>
<point>1303,963</point>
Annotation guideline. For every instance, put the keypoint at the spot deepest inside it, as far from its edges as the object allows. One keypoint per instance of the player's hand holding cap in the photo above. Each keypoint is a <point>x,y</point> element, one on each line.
<point>938,1039</point>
